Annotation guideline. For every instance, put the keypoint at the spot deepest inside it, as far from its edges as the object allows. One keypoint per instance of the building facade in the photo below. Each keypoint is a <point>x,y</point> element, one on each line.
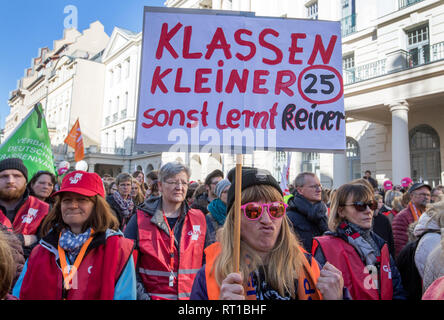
<point>393,65</point>
<point>68,81</point>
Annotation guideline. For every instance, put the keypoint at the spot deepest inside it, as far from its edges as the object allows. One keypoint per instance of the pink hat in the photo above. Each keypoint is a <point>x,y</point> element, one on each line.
<point>85,183</point>
<point>406,181</point>
<point>388,185</point>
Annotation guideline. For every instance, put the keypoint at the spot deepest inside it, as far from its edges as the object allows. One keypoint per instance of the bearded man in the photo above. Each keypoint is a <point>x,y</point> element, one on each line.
<point>20,213</point>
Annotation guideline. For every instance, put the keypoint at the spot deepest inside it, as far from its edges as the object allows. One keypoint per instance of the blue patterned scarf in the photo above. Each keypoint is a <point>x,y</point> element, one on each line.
<point>72,243</point>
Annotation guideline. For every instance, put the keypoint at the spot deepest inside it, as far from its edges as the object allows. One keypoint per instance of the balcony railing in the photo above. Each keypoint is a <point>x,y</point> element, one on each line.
<point>395,62</point>
<point>115,151</point>
<point>406,3</point>
<point>348,25</point>
<point>123,114</point>
<point>364,72</point>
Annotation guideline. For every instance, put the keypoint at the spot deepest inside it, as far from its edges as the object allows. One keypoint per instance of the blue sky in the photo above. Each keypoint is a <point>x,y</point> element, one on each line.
<point>27,25</point>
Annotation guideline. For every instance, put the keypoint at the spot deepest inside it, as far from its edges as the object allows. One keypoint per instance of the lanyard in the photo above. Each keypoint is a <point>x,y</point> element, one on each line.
<point>414,211</point>
<point>69,272</point>
<point>171,279</point>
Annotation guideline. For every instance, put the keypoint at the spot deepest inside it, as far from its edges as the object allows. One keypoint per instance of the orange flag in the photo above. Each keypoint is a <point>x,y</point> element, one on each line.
<point>75,141</point>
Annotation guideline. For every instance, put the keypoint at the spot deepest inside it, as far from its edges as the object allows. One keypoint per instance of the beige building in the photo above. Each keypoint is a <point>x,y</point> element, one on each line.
<point>68,81</point>
<point>393,65</point>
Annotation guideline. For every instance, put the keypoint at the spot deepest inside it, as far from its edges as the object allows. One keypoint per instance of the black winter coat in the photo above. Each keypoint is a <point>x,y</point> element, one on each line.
<point>118,212</point>
<point>383,228</point>
<point>308,220</point>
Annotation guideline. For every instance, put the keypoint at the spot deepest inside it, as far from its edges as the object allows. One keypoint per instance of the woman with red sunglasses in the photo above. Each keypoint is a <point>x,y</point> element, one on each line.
<point>273,265</point>
<point>363,257</point>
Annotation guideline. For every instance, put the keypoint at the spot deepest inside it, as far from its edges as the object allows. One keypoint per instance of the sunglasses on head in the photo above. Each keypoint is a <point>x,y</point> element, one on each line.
<point>362,206</point>
<point>254,210</point>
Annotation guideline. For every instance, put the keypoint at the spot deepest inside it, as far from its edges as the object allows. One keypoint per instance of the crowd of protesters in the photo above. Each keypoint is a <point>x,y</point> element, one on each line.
<point>161,236</point>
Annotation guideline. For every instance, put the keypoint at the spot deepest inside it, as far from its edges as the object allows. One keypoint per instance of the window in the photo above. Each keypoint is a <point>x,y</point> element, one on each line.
<point>127,69</point>
<point>111,78</point>
<point>279,163</point>
<point>348,67</point>
<point>348,61</point>
<point>348,21</point>
<point>353,159</point>
<point>312,10</point>
<point>311,163</point>
<point>418,45</point>
<point>118,73</point>
<point>123,137</point>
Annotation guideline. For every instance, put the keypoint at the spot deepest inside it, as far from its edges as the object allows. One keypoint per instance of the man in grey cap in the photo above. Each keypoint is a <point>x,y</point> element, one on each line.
<point>19,212</point>
<point>420,194</point>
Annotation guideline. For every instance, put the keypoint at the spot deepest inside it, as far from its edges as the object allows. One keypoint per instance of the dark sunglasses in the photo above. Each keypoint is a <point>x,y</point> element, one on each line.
<point>362,206</point>
<point>254,210</point>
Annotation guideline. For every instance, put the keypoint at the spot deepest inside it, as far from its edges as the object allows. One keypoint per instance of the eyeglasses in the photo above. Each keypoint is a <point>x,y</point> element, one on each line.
<point>315,186</point>
<point>422,195</point>
<point>362,206</point>
<point>254,210</point>
<point>177,183</point>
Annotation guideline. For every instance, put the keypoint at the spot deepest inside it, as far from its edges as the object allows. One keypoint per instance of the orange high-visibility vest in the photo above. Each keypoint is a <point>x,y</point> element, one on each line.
<point>306,289</point>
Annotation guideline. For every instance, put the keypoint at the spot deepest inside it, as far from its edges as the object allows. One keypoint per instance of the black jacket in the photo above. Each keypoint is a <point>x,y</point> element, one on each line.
<point>383,228</point>
<point>308,220</point>
<point>201,203</point>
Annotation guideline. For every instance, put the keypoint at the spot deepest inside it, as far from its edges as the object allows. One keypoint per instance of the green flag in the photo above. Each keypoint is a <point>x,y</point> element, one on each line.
<point>30,142</point>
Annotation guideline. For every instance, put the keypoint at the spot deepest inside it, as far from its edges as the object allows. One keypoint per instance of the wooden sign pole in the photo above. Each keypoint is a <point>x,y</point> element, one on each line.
<point>237,213</point>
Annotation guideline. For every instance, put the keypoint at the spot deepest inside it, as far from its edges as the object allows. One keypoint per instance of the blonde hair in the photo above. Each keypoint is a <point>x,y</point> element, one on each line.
<point>284,262</point>
<point>405,199</point>
<point>436,212</point>
<point>397,204</point>
<point>140,197</point>
<point>356,190</point>
<point>7,265</point>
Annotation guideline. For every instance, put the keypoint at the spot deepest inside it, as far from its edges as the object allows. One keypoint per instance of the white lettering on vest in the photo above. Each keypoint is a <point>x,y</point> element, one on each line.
<point>32,213</point>
<point>195,233</point>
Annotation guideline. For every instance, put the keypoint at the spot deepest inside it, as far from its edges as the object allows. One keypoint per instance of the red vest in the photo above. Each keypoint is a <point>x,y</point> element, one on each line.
<point>28,217</point>
<point>154,256</point>
<point>95,279</point>
<point>356,276</point>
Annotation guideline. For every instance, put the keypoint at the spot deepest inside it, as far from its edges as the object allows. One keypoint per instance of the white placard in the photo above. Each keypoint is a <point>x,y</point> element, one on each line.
<point>211,82</point>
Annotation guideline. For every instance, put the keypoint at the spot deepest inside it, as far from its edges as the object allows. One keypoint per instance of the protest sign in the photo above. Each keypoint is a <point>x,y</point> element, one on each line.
<point>212,82</point>
<point>30,142</point>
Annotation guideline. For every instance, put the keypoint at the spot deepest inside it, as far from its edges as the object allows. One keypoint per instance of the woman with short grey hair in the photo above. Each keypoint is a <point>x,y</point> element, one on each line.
<point>171,169</point>
<point>163,228</point>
